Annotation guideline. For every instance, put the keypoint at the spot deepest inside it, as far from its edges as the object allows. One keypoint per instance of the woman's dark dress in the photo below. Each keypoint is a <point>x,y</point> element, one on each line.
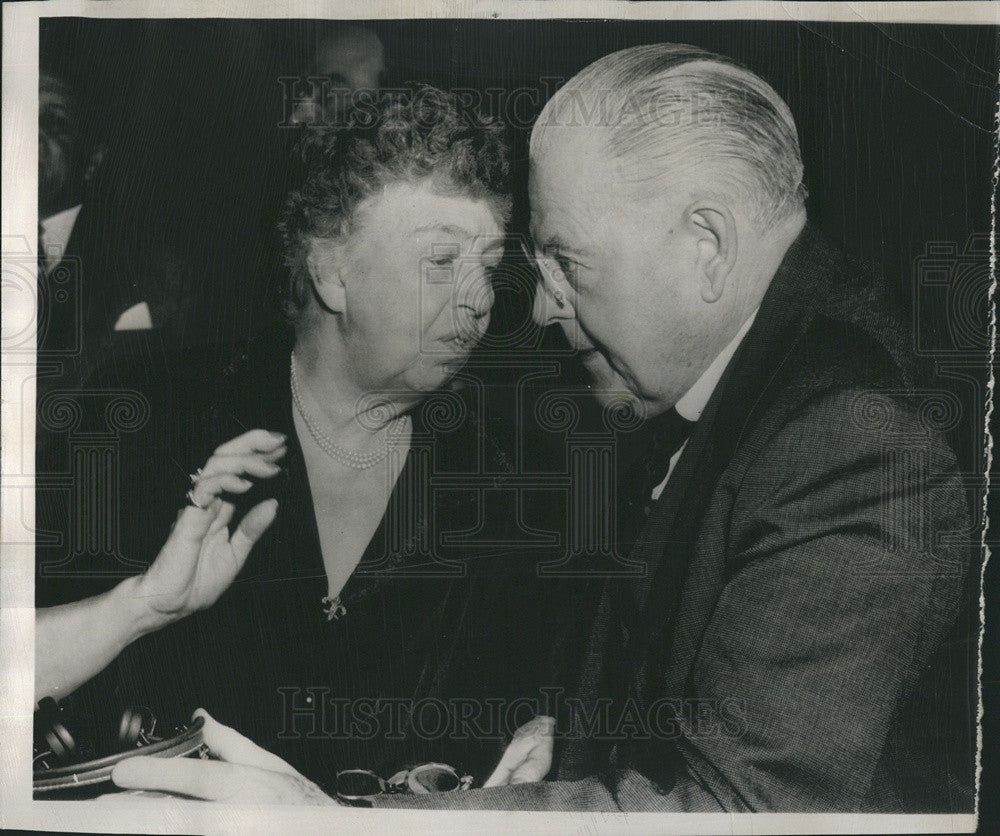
<point>447,627</point>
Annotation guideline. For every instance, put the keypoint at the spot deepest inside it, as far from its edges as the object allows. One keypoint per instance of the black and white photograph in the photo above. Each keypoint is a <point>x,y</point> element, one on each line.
<point>523,416</point>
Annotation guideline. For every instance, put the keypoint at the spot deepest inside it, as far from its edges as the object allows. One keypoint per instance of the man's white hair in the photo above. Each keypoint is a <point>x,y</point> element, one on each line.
<point>681,110</point>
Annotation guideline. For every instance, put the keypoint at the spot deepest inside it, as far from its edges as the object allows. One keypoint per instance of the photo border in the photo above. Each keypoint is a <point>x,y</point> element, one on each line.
<point>20,103</point>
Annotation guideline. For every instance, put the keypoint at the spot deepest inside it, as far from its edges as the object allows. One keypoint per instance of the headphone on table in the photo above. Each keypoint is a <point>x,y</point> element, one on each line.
<point>71,759</point>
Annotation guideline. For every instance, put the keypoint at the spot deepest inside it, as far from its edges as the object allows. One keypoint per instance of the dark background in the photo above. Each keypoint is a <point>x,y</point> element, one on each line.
<point>896,125</point>
<point>895,121</point>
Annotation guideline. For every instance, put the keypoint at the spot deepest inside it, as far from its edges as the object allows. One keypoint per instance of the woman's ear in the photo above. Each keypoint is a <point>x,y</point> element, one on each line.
<point>325,260</point>
<point>715,226</point>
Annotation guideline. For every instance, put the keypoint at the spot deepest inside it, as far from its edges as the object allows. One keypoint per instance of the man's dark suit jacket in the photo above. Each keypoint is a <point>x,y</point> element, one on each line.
<point>805,636</point>
<point>109,265</point>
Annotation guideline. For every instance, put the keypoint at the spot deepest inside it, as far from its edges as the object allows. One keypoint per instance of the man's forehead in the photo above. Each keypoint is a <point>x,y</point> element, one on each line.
<point>580,143</point>
<point>578,176</point>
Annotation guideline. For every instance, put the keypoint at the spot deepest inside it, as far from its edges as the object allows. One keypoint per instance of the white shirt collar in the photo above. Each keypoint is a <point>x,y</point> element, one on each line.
<point>693,402</point>
<point>55,234</point>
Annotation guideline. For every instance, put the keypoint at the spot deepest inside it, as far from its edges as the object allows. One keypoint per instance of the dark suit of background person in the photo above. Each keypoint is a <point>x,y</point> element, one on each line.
<point>109,275</point>
<point>120,290</point>
<point>800,597</point>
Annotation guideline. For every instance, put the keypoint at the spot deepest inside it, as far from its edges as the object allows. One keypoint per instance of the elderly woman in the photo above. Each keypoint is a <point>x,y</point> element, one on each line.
<point>349,638</point>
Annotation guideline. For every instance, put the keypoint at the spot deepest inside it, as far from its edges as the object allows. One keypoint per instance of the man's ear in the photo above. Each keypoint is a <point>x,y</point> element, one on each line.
<point>715,228</point>
<point>325,260</point>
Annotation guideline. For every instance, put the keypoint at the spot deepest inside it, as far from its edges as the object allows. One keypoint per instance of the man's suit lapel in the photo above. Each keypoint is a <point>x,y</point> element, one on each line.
<point>95,293</point>
<point>667,541</point>
<point>91,278</point>
<point>663,546</point>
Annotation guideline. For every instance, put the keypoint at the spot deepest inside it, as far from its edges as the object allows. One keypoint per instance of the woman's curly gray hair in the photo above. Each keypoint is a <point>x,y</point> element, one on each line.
<point>387,137</point>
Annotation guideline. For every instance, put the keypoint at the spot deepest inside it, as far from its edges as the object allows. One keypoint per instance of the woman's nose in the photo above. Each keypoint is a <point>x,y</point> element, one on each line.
<point>475,294</point>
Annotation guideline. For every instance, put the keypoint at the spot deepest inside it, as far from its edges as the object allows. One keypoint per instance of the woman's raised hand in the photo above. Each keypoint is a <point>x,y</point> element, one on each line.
<point>201,558</point>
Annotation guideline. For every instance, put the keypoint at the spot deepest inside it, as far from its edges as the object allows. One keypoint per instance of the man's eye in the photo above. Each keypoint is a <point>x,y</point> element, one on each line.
<point>567,267</point>
<point>442,260</point>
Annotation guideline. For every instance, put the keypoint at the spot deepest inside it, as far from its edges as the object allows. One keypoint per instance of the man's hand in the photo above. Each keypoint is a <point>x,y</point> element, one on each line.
<point>200,559</point>
<point>528,757</point>
<point>244,773</point>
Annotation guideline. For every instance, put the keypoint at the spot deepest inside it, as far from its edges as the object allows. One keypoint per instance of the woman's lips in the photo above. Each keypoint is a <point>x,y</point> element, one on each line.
<point>459,351</point>
<point>465,339</point>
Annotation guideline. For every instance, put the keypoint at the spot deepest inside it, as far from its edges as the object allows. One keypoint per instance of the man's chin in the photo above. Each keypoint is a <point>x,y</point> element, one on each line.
<point>605,385</point>
<point>614,395</point>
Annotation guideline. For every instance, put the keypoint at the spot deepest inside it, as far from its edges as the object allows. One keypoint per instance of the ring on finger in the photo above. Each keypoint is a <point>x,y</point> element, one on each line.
<point>194,502</point>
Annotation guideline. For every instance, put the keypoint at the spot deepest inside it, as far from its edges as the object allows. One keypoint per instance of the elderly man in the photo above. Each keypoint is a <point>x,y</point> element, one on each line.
<point>801,639</point>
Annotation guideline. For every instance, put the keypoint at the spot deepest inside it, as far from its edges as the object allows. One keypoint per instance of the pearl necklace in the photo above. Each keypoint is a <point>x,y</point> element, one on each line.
<point>350,458</point>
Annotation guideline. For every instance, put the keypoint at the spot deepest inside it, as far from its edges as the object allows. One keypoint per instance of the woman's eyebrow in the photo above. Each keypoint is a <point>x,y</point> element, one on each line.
<point>496,241</point>
<point>451,229</point>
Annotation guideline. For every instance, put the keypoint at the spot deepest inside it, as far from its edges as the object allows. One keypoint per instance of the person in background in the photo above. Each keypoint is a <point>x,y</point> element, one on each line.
<point>350,60</point>
<point>103,283</point>
<point>68,161</point>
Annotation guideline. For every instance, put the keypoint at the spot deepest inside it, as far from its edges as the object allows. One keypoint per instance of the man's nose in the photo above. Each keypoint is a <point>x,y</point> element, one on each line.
<point>550,305</point>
